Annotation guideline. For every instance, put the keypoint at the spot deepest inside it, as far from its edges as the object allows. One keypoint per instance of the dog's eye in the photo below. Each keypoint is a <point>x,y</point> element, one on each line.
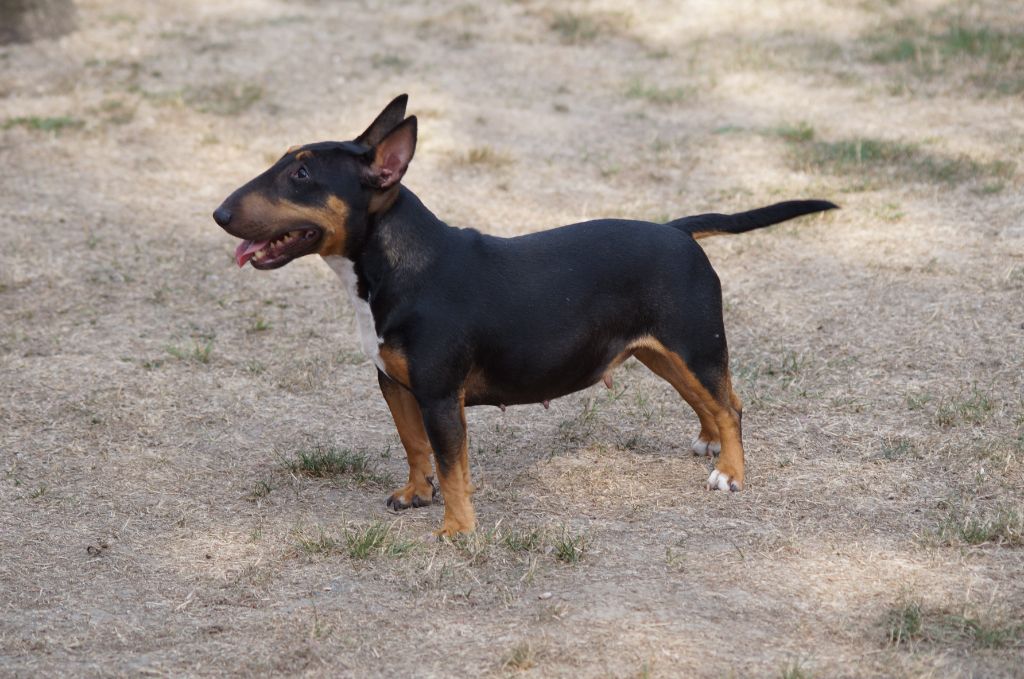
<point>301,173</point>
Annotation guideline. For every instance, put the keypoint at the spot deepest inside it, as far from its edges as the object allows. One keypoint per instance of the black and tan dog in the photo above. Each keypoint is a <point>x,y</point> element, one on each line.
<point>453,318</point>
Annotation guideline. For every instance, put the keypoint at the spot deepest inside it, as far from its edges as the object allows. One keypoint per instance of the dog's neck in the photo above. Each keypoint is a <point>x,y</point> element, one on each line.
<point>400,242</point>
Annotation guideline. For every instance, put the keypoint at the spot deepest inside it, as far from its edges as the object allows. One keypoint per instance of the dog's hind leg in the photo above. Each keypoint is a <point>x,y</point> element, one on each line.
<point>710,394</point>
<point>709,441</point>
<point>420,490</point>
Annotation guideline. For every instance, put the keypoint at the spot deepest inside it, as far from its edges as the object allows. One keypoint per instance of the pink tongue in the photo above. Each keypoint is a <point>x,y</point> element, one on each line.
<point>246,249</point>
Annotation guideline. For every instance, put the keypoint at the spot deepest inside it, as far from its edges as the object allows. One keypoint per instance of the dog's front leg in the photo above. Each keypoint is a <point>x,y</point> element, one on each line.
<point>445,423</point>
<point>420,490</point>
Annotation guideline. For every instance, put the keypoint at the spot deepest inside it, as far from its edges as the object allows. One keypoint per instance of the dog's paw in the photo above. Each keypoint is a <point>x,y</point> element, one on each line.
<point>706,448</point>
<point>413,495</point>
<point>721,481</point>
<point>453,529</point>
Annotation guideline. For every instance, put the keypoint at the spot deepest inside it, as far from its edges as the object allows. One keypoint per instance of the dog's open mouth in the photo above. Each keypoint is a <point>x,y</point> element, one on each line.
<point>278,251</point>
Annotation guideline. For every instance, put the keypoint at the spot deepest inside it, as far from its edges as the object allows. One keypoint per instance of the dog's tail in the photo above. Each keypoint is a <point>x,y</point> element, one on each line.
<point>712,224</point>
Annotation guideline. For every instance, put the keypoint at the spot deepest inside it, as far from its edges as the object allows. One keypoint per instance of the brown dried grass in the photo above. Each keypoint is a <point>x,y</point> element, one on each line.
<point>864,344</point>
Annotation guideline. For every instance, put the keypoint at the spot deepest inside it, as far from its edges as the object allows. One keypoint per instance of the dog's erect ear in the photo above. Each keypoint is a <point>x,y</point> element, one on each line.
<point>392,155</point>
<point>387,120</point>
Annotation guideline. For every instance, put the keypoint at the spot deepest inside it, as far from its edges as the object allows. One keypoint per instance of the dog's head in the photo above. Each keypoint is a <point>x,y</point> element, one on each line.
<point>319,197</point>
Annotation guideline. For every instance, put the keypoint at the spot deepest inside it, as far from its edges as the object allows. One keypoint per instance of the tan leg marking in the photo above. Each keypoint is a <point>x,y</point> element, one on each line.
<point>419,491</point>
<point>396,365</point>
<point>457,488</point>
<point>708,442</point>
<point>719,416</point>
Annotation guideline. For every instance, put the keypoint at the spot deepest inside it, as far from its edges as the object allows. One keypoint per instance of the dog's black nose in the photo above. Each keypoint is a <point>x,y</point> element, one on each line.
<point>222,216</point>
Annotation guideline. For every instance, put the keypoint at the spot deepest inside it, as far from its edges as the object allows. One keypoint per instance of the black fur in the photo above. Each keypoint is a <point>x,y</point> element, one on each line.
<point>742,222</point>
<point>539,316</point>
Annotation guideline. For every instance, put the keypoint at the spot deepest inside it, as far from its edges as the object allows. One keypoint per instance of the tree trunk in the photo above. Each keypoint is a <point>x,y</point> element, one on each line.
<point>28,20</point>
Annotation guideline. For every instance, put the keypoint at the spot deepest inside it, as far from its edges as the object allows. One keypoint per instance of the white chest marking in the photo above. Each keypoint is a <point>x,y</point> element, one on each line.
<point>364,315</point>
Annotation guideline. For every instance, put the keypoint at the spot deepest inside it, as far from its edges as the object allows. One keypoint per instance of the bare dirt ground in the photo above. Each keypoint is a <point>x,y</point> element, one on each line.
<point>194,459</point>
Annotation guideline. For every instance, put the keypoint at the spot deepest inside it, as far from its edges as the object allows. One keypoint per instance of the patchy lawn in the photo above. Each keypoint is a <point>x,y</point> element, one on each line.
<point>194,459</point>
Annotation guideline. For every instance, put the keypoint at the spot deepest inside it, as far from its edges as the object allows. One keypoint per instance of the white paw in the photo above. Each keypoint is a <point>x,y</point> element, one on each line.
<point>722,481</point>
<point>706,448</point>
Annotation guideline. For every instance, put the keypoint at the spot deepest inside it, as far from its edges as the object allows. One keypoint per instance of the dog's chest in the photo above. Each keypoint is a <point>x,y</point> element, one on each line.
<point>368,339</point>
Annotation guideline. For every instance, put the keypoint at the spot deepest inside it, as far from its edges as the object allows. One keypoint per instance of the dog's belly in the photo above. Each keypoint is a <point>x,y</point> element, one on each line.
<point>496,396</point>
<point>498,385</point>
<point>500,395</point>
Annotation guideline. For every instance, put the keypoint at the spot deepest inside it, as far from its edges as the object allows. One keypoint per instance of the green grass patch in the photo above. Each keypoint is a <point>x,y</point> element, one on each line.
<point>358,542</point>
<point>880,159</point>
<point>729,129</point>
<point>904,623</point>
<point>364,541</point>
<point>1002,526</point>
<point>790,365</point>
<point>199,352</point>
<point>375,539</point>
<point>260,490</point>
<point>918,400</point>
<point>44,124</point>
<point>896,448</point>
<point>259,324</point>
<point>795,670</point>
<point>974,408</point>
<point>225,99</point>
<point>254,367</point>
<point>570,548</point>
<point>486,156</point>
<point>523,540</point>
<point>324,462</point>
<point>800,132</point>
<point>638,89</point>
<point>327,462</point>
<point>521,657</point>
<point>909,622</point>
<point>980,633</point>
<point>908,41</point>
<point>117,112</point>
<point>390,61</point>
<point>952,50</point>
<point>317,544</point>
<point>575,29</point>
<point>496,544</point>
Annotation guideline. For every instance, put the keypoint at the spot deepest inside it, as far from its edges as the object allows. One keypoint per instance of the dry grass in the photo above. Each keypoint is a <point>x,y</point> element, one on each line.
<point>987,56</point>
<point>576,28</point>
<point>194,459</point>
<point>912,623</point>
